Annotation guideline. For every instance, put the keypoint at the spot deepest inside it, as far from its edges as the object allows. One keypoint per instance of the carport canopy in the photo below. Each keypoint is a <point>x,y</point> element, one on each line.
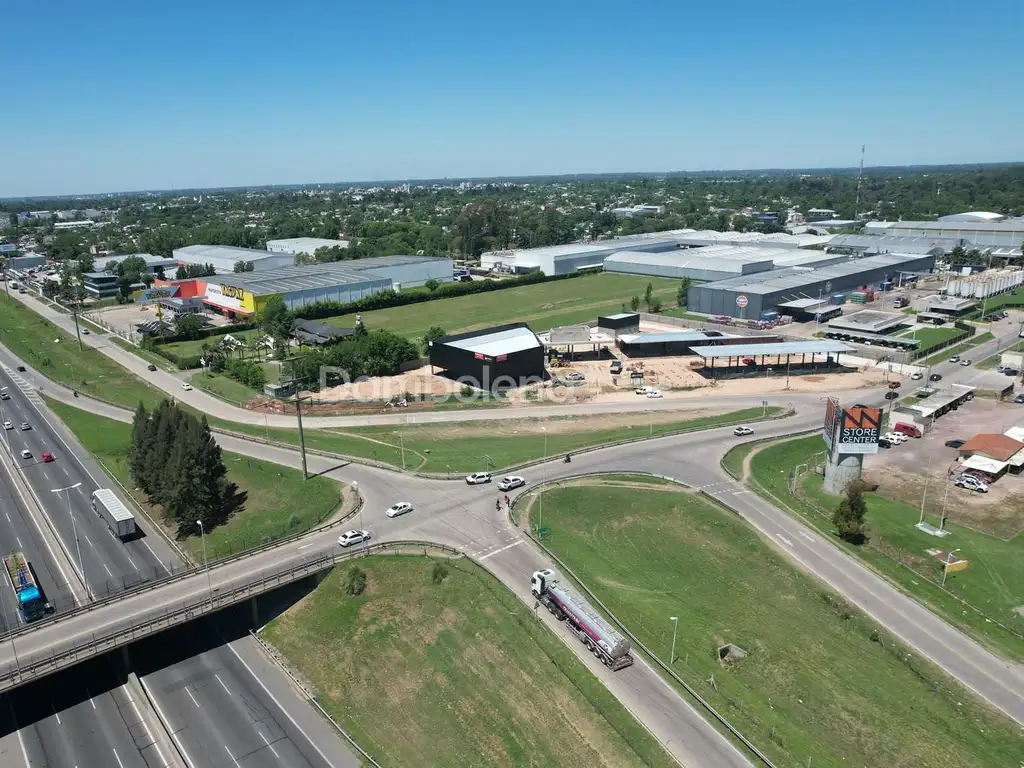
<point>817,347</point>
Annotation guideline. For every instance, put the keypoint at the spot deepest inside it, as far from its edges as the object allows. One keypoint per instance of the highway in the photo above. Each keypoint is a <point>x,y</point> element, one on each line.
<point>109,566</point>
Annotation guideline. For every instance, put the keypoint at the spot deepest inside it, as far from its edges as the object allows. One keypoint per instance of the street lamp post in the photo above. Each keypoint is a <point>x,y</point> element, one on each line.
<point>945,566</point>
<point>675,626</point>
<point>74,531</point>
<point>206,561</point>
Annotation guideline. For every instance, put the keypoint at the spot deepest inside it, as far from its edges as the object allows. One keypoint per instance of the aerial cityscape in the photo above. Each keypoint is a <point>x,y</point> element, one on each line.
<point>370,399</point>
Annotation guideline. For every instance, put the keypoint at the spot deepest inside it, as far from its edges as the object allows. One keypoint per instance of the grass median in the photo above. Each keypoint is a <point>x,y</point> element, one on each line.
<point>959,349</point>
<point>981,600</point>
<point>55,354</point>
<point>453,674</point>
<point>278,501</point>
<point>464,447</point>
<point>820,685</point>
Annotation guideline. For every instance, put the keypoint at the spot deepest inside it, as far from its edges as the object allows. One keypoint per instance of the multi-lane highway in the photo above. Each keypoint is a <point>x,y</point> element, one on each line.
<point>212,731</point>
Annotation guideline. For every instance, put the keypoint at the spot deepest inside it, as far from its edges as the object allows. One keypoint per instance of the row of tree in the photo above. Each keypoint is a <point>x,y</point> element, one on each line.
<point>175,460</point>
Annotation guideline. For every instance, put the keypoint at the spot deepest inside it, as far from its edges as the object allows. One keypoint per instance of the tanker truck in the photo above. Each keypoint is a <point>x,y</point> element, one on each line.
<point>30,598</point>
<point>593,631</point>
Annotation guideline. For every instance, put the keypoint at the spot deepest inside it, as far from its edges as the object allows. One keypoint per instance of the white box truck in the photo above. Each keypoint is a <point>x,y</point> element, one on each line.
<point>116,515</point>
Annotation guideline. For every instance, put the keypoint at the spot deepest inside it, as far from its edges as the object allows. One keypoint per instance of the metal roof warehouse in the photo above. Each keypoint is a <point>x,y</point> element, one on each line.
<point>772,350</point>
<point>499,343</point>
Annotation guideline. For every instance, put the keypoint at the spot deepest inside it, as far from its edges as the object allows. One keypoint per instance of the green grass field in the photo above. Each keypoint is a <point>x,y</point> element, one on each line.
<point>542,306</point>
<point>279,501</point>
<point>959,349</point>
<point>992,586</point>
<point>931,337</point>
<point>460,448</point>
<point>145,354</point>
<point>54,353</point>
<point>456,674</point>
<point>195,346</point>
<point>821,684</point>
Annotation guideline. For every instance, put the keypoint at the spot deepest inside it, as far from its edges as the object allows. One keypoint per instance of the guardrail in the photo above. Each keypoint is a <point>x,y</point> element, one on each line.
<point>32,667</point>
<point>720,718</point>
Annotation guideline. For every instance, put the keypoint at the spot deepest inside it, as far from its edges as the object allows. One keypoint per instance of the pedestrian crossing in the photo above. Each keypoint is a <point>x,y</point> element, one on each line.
<point>28,390</point>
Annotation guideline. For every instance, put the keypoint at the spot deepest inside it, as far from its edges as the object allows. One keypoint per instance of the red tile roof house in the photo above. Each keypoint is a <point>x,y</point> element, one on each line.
<point>992,454</point>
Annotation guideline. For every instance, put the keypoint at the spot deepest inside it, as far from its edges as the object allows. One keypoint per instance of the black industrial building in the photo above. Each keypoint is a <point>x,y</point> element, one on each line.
<point>493,358</point>
<point>617,325</point>
<point>676,343</point>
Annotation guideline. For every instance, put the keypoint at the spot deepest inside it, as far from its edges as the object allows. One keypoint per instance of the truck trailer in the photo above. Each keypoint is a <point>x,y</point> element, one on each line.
<point>597,634</point>
<point>31,602</point>
<point>116,515</point>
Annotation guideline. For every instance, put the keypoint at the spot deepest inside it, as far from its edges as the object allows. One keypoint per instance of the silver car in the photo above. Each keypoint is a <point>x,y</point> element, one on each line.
<point>353,537</point>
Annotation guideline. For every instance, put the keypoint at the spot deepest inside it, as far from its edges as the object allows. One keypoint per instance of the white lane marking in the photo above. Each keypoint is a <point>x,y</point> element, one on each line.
<point>280,707</point>
<point>131,561</point>
<point>499,551</point>
<point>230,755</point>
<point>167,723</point>
<point>8,517</point>
<point>19,542</point>
<point>93,702</point>
<point>24,752</point>
<point>86,539</point>
<point>191,696</point>
<point>222,684</point>
<point>784,540</point>
<point>56,714</point>
<point>62,469</point>
<point>269,745</point>
<point>107,570</point>
<point>806,535</point>
<point>145,725</point>
<point>116,757</point>
<point>155,557</point>
<point>306,546</point>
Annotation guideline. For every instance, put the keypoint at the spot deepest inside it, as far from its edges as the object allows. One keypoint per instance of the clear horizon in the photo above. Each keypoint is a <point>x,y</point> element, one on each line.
<point>239,94</point>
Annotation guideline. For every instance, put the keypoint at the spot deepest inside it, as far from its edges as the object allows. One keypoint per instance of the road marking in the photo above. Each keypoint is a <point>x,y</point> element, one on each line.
<point>306,546</point>
<point>56,714</point>
<point>24,752</point>
<point>8,517</point>
<point>230,755</point>
<point>269,745</point>
<point>499,551</point>
<point>93,702</point>
<point>107,570</point>
<point>155,557</point>
<point>784,540</point>
<point>131,561</point>
<point>166,724</point>
<point>19,542</point>
<point>191,696</point>
<point>116,757</point>
<point>87,539</point>
<point>222,683</point>
<point>807,536</point>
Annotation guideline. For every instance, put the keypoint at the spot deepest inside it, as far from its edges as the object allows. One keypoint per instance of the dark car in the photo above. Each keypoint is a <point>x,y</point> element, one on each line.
<point>21,369</point>
<point>891,395</point>
<point>150,367</point>
<point>954,443</point>
<point>935,377</point>
<point>1009,372</point>
<point>883,443</point>
<point>860,405</point>
<point>895,385</point>
<point>1019,399</point>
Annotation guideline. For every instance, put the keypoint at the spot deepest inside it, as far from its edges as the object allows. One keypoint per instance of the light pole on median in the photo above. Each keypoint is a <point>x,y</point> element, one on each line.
<point>675,626</point>
<point>74,531</point>
<point>206,562</point>
<point>945,565</point>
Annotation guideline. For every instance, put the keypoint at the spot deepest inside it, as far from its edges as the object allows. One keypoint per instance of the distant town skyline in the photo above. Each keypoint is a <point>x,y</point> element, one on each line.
<point>235,94</point>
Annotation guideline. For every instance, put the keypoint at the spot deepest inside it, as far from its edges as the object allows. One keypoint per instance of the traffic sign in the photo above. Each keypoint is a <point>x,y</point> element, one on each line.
<point>828,287</point>
<point>741,301</point>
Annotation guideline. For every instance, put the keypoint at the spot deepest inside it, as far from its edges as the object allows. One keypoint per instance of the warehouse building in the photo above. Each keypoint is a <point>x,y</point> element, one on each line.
<point>494,358</point>
<point>244,294</point>
<point>977,232</point>
<point>871,245</point>
<point>753,296</point>
<point>619,324</point>
<point>678,343</point>
<point>296,245</point>
<point>223,258</point>
<point>716,262</point>
<point>771,358</point>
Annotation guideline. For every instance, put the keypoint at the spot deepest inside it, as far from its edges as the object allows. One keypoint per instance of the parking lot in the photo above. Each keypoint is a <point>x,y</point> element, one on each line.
<point>902,471</point>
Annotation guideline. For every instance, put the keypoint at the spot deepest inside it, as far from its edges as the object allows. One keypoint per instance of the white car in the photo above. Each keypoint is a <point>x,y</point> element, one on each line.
<point>26,454</point>
<point>971,483</point>
<point>353,537</point>
<point>8,425</point>
<point>917,376</point>
<point>478,477</point>
<point>399,509</point>
<point>955,359</point>
<point>25,426</point>
<point>654,393</point>
<point>510,483</point>
<point>187,387</point>
<point>742,431</point>
<point>895,437</point>
<point>965,362</point>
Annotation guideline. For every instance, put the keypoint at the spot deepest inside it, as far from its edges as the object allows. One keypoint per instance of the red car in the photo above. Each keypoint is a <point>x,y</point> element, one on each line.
<point>47,457</point>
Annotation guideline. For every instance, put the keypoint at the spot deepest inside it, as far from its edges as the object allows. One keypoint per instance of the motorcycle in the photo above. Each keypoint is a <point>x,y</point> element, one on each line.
<point>567,459</point>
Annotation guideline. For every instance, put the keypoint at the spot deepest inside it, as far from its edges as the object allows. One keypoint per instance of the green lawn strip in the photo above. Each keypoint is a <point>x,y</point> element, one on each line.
<point>55,354</point>
<point>1016,297</point>
<point>463,448</point>
<point>959,349</point>
<point>453,674</point>
<point>931,337</point>
<point>150,357</point>
<point>992,586</point>
<point>542,306</point>
<point>278,501</point>
<point>991,362</point>
<point>195,346</point>
<point>224,387</point>
<point>821,684</point>
<point>84,322</point>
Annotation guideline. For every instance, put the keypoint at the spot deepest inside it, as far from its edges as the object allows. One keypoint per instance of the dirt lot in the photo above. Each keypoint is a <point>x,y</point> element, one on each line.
<point>902,471</point>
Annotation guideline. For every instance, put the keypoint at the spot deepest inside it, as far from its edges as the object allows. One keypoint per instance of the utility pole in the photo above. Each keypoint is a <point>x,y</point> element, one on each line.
<point>298,416</point>
<point>74,314</point>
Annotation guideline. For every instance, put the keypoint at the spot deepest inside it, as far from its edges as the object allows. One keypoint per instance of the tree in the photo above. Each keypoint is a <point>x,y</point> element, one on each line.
<point>431,285</point>
<point>277,318</point>
<point>648,295</point>
<point>433,333</point>
<point>634,303</point>
<point>244,266</point>
<point>51,289</point>
<point>655,306</point>
<point>188,325</point>
<point>849,515</point>
<point>303,258</point>
<point>110,266</point>
<point>133,267</point>
<point>192,271</point>
<point>683,292</point>
<point>86,263</point>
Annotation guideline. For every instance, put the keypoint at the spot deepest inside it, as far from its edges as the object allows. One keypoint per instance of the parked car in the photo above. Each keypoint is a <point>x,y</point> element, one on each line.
<point>47,458</point>
<point>187,387</point>
<point>1010,371</point>
<point>575,376</point>
<point>954,443</point>
<point>150,367</point>
<point>742,431</point>
<point>971,483</point>
<point>891,395</point>
<point>916,376</point>
<point>935,377</point>
<point>399,509</point>
<point>883,443</point>
<point>654,393</point>
<point>910,430</point>
<point>353,537</point>
<point>511,482</point>
<point>1019,399</point>
<point>896,438</point>
<point>616,366</point>
<point>478,477</point>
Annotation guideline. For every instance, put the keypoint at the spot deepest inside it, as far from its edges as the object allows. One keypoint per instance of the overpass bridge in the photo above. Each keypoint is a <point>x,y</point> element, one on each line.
<point>39,649</point>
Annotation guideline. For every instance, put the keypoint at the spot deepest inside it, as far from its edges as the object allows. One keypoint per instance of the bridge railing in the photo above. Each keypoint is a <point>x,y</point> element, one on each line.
<point>26,668</point>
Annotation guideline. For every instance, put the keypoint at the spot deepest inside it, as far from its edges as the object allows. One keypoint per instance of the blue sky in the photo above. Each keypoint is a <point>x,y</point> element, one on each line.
<point>109,95</point>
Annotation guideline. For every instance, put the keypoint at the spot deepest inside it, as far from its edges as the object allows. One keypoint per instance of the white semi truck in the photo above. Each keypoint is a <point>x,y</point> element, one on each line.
<point>116,515</point>
<point>598,635</point>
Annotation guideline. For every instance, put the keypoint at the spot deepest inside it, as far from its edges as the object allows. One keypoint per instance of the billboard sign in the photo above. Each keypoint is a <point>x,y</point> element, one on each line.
<point>228,297</point>
<point>859,430</point>
<point>741,301</point>
<point>8,247</point>
<point>163,292</point>
<point>828,430</point>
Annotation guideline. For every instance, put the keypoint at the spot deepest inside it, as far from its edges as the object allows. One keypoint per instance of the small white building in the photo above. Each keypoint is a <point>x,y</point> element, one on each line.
<point>296,245</point>
<point>224,257</point>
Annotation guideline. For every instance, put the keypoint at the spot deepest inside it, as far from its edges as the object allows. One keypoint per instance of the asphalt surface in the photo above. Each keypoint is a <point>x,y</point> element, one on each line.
<point>70,735</point>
